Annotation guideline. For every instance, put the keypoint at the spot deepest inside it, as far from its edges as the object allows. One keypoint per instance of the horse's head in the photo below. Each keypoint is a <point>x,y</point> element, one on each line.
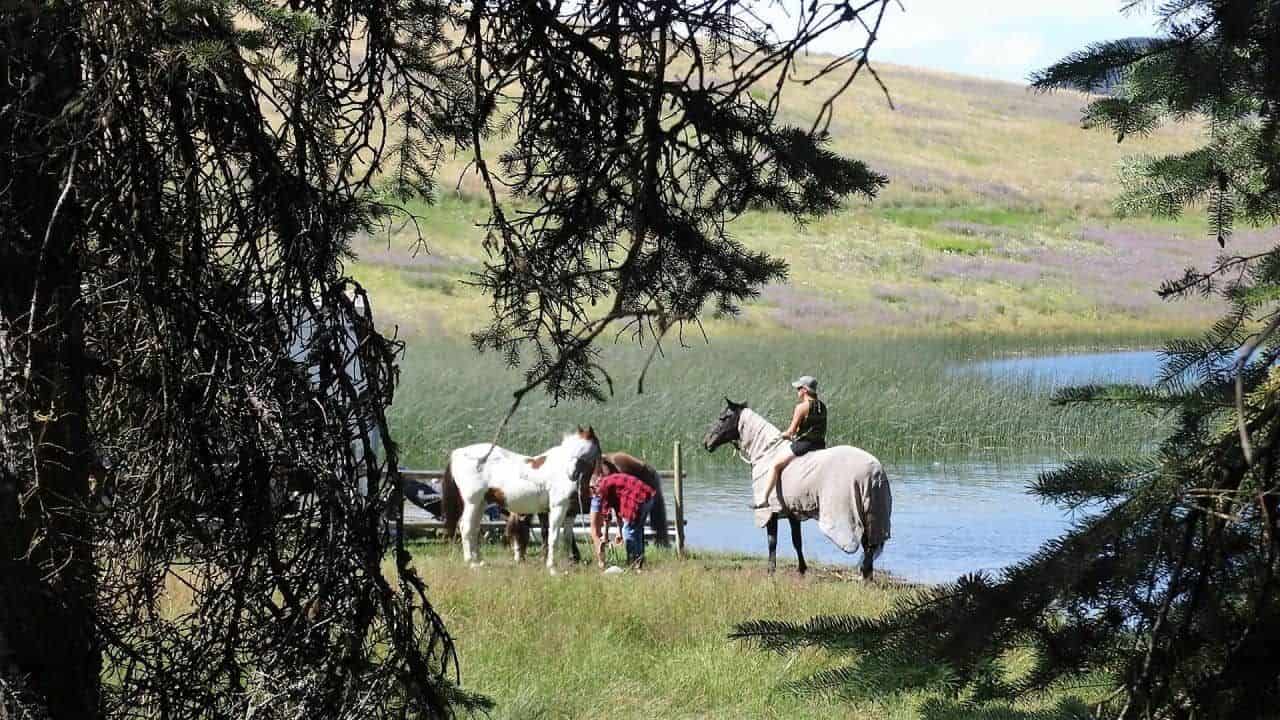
<point>583,449</point>
<point>588,433</point>
<point>725,427</point>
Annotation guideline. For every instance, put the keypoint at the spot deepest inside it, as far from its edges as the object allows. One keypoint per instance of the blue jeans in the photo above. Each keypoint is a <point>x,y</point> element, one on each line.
<point>633,532</point>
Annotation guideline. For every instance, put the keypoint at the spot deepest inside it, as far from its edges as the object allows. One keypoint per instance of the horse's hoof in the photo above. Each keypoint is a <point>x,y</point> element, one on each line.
<point>802,571</point>
<point>477,565</point>
<point>553,571</point>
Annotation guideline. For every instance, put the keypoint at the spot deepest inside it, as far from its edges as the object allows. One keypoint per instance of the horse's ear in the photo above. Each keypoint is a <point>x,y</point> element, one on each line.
<point>579,429</point>
<point>591,432</point>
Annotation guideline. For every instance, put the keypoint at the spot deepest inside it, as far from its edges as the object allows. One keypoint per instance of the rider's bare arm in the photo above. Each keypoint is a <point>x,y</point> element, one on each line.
<point>802,410</point>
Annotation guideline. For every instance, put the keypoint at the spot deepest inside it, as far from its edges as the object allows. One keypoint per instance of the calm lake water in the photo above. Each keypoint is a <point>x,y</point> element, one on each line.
<point>949,518</point>
<point>1130,366</point>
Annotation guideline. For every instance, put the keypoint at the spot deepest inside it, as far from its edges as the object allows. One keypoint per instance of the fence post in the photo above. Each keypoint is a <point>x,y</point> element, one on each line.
<point>679,488</point>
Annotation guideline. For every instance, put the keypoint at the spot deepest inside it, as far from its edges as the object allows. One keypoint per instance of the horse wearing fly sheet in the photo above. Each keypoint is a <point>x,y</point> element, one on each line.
<point>844,488</point>
<point>551,482</point>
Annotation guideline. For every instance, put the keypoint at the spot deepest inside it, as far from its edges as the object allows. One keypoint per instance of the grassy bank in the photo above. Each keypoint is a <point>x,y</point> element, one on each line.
<point>655,645</point>
<point>899,398</point>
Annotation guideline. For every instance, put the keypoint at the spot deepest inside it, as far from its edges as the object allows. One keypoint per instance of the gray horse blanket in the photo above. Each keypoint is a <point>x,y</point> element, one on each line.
<point>844,488</point>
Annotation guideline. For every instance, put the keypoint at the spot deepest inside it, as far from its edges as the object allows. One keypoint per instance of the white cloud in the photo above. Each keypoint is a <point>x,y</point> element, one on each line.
<point>923,32</point>
<point>1014,51</point>
<point>996,38</point>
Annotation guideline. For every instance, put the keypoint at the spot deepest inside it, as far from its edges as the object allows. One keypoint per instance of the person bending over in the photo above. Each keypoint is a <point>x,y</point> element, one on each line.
<point>631,499</point>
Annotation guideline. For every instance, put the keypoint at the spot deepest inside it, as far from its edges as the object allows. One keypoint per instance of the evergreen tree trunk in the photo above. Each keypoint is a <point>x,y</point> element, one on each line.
<point>46,562</point>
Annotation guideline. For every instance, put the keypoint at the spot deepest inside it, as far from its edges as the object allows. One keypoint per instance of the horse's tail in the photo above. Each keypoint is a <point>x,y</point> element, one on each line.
<point>450,502</point>
<point>658,516</point>
<point>877,511</point>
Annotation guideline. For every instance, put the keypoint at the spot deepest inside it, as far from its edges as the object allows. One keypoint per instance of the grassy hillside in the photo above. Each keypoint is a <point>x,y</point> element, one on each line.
<point>996,220</point>
<point>995,235</point>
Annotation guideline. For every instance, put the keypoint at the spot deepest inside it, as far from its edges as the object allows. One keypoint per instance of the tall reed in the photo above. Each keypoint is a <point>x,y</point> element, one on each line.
<point>898,398</point>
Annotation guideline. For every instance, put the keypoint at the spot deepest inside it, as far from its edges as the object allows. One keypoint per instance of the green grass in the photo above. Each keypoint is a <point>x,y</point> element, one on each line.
<point>958,244</point>
<point>898,398</point>
<point>929,216</point>
<point>654,644</point>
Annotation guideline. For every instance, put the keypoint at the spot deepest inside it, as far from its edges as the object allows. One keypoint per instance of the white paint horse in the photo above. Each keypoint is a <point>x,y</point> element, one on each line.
<point>548,483</point>
<point>843,487</point>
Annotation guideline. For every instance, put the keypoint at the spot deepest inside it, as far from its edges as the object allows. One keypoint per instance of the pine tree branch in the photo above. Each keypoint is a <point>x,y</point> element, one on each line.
<point>1245,355</point>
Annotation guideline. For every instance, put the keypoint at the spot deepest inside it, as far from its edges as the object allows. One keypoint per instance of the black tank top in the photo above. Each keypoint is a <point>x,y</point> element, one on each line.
<point>814,426</point>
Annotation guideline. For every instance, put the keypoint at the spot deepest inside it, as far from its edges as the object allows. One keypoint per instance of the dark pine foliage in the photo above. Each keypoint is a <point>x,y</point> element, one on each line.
<point>638,131</point>
<point>1166,591</point>
<point>180,349</point>
<point>194,505</point>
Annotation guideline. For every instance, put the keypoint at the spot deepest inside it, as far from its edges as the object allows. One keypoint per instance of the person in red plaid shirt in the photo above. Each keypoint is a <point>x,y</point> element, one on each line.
<point>631,499</point>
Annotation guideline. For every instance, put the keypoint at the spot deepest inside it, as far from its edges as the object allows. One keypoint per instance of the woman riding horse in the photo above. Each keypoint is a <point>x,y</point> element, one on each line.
<point>807,432</point>
<point>844,488</point>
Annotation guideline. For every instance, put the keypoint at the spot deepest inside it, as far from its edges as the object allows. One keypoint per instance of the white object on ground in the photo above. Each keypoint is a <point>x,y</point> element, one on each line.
<point>613,570</point>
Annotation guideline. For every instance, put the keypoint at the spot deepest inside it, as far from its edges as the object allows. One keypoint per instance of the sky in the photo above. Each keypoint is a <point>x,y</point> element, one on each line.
<point>1002,39</point>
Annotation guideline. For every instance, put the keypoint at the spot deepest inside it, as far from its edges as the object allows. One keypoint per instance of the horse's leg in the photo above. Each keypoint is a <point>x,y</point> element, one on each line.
<point>470,529</point>
<point>772,530</point>
<point>868,561</point>
<point>574,555</point>
<point>795,540</point>
<point>555,520</point>
<point>518,535</point>
<point>546,534</point>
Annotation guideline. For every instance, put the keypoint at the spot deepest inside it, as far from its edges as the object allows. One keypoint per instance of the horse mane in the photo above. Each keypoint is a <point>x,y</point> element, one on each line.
<point>761,431</point>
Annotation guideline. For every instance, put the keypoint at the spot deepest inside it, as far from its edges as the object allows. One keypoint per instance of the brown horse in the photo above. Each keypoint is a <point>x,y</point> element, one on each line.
<point>519,527</point>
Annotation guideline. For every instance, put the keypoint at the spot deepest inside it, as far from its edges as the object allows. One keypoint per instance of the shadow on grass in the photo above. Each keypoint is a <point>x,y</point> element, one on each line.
<point>875,679</point>
<point>1067,708</point>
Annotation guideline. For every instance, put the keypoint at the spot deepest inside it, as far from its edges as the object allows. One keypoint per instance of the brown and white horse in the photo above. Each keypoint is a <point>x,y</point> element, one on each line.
<point>552,482</point>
